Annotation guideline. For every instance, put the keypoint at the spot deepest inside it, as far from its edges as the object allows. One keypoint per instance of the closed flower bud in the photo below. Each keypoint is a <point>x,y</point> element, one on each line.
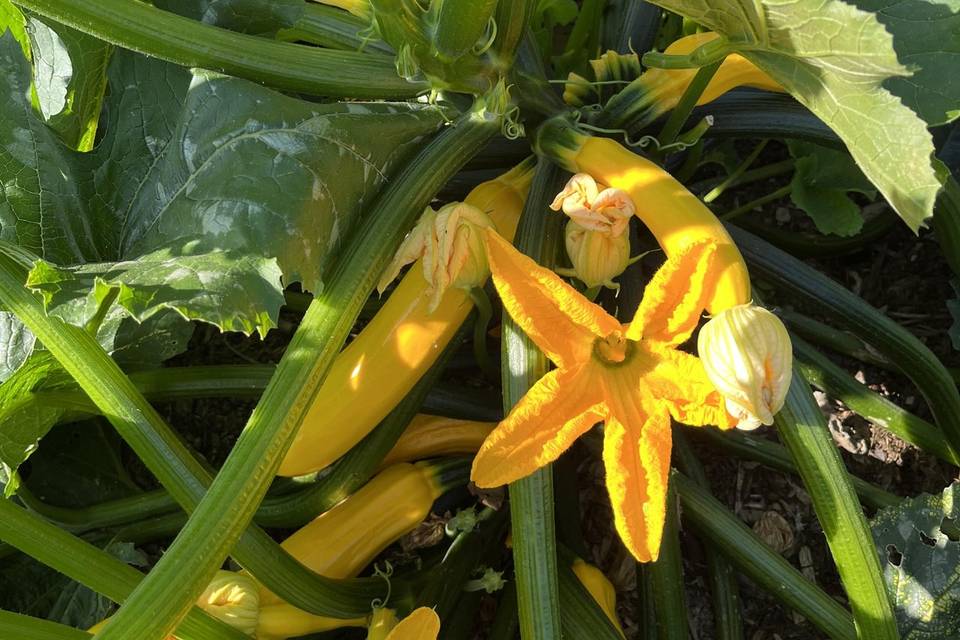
<point>450,241</point>
<point>597,257</point>
<point>234,599</point>
<point>748,357</point>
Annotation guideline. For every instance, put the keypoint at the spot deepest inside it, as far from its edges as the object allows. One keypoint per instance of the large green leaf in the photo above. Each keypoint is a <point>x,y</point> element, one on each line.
<point>835,59</point>
<point>204,190</point>
<point>820,184</point>
<point>917,541</point>
<point>925,36</point>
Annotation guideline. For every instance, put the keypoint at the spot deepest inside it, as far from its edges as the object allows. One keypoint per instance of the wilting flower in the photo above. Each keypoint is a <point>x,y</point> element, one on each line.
<point>608,211</point>
<point>451,244</point>
<point>596,238</point>
<point>747,354</point>
<point>631,377</point>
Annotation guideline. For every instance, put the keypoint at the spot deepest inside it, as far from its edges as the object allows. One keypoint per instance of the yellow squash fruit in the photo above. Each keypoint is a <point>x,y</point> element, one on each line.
<point>375,371</point>
<point>676,217</point>
<point>600,588</point>
<point>342,541</point>
<point>432,436</point>
<point>735,71</point>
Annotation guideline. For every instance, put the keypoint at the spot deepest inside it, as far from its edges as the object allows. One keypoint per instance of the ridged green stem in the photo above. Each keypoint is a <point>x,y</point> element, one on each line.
<point>750,113</point>
<point>91,567</point>
<point>826,376</point>
<point>776,457</point>
<point>843,342</point>
<point>145,29</point>
<point>814,244</point>
<point>890,339</point>
<point>335,29</point>
<point>666,578</point>
<point>512,18</point>
<point>724,590</point>
<point>681,112</point>
<point>710,519</point>
<point>531,498</point>
<point>21,627</point>
<point>803,430</point>
<point>946,221</point>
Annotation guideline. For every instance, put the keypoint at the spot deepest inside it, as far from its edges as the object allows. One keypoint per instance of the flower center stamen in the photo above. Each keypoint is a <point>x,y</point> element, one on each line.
<point>614,349</point>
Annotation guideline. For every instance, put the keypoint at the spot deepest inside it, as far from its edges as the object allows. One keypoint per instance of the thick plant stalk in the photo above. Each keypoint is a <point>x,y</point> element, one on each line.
<point>334,29</point>
<point>893,341</point>
<point>758,561</point>
<point>531,498</point>
<point>231,501</point>
<point>803,430</point>
<point>827,376</point>
<point>160,34</point>
<point>511,18</point>
<point>92,567</point>
<point>21,627</point>
<point>776,457</point>
<point>724,591</point>
<point>666,578</point>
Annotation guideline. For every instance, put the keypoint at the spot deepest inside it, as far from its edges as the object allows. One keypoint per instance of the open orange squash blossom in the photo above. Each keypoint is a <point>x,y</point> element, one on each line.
<point>631,377</point>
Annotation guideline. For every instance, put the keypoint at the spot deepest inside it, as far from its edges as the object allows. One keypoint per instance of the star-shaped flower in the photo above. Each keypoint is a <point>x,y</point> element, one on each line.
<point>632,377</point>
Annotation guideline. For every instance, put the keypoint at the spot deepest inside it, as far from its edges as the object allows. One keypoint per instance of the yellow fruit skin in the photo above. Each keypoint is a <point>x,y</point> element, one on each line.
<point>675,216</point>
<point>375,371</point>
<point>735,71</point>
<point>432,436</point>
<point>342,541</point>
<point>600,588</point>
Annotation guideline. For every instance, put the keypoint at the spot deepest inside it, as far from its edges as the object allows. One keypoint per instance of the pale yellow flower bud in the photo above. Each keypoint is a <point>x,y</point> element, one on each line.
<point>450,241</point>
<point>608,210</point>
<point>234,599</point>
<point>597,257</point>
<point>748,357</point>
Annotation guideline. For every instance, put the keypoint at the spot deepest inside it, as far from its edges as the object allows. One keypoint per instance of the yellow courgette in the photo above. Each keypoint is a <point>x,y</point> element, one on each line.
<point>735,71</point>
<point>600,588</point>
<point>676,217</point>
<point>431,436</point>
<point>375,371</point>
<point>342,541</point>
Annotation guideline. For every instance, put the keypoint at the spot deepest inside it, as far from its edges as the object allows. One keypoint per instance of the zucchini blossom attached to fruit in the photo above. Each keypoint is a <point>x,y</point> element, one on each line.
<point>450,241</point>
<point>596,236</point>
<point>748,357</point>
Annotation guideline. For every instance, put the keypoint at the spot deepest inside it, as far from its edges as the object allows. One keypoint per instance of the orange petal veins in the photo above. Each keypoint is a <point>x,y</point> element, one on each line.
<point>555,315</point>
<point>676,296</point>
<point>636,455</point>
<point>680,381</point>
<point>421,624</point>
<point>557,410</point>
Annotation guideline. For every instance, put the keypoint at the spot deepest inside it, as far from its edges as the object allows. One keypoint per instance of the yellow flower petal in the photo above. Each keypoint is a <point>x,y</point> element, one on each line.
<point>636,455</point>
<point>680,381</point>
<point>556,316</point>
<point>676,296</point>
<point>421,624</point>
<point>557,410</point>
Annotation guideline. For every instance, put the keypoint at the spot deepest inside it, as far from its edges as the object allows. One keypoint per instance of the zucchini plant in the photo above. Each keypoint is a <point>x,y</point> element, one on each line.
<point>210,334</point>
